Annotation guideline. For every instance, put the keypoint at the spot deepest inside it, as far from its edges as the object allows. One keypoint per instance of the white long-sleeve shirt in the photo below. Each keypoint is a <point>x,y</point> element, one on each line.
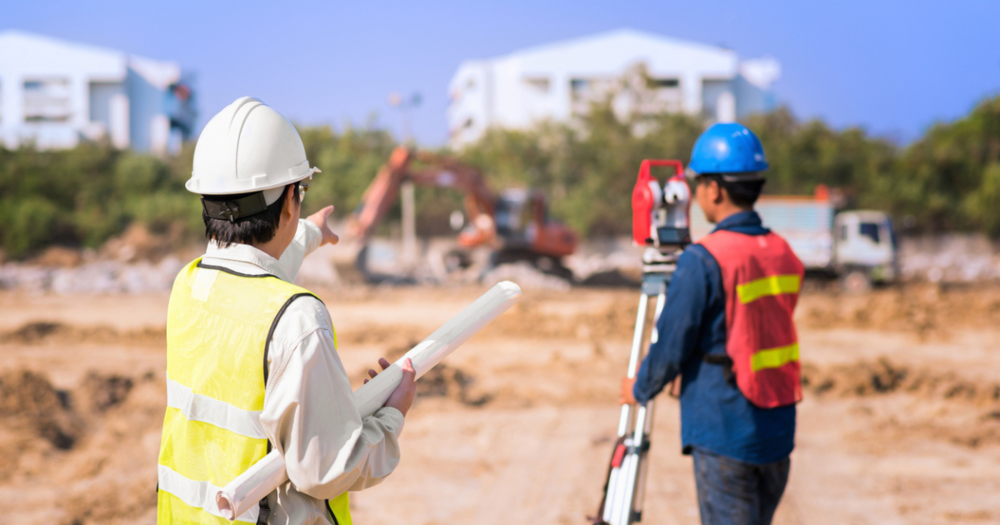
<point>309,415</point>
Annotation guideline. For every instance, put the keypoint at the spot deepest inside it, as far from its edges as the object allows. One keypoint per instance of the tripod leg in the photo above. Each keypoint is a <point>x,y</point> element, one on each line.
<point>661,301</point>
<point>612,496</point>
<point>647,427</point>
<point>634,357</point>
<point>640,482</point>
<point>617,483</point>
<point>636,460</point>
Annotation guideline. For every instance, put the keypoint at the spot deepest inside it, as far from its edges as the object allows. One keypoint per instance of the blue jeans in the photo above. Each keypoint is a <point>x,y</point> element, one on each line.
<point>731,492</point>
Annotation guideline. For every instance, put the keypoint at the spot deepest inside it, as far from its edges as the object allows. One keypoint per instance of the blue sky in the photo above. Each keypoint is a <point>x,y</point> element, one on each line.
<point>892,67</point>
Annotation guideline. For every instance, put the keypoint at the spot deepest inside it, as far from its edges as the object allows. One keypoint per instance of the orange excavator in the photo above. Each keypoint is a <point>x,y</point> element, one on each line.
<point>514,224</point>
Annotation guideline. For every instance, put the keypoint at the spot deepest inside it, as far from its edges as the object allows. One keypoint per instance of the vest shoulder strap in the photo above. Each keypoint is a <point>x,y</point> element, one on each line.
<point>274,324</point>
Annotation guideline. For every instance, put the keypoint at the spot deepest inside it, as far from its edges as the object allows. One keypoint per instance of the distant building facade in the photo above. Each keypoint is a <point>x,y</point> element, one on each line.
<point>557,81</point>
<point>54,94</point>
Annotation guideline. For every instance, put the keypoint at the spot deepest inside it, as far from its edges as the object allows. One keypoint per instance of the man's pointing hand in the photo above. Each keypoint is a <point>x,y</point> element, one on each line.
<point>319,219</point>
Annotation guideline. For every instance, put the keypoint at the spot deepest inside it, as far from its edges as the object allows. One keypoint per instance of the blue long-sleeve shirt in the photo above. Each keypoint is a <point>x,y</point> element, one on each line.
<point>714,413</point>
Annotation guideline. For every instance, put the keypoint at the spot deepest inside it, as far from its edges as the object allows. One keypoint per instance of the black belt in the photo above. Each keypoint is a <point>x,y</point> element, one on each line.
<point>725,362</point>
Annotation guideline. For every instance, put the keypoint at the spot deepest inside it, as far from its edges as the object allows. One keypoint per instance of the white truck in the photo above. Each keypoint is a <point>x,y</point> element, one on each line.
<point>858,246</point>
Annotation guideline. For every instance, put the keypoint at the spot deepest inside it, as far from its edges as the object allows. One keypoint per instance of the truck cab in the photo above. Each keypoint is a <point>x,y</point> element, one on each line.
<point>865,248</point>
<point>859,247</point>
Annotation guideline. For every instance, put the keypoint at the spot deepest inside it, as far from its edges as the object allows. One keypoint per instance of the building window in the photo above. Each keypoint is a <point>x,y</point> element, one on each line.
<point>541,84</point>
<point>666,82</point>
<point>584,92</point>
<point>47,100</point>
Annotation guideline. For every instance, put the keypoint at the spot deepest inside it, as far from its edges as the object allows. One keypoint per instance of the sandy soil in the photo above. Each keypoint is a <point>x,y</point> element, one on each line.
<point>901,422</point>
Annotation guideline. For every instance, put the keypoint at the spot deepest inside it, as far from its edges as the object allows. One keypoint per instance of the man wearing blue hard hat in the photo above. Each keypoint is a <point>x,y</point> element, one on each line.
<point>727,331</point>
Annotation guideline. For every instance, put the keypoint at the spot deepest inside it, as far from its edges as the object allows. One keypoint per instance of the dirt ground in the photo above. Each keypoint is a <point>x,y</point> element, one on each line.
<point>901,421</point>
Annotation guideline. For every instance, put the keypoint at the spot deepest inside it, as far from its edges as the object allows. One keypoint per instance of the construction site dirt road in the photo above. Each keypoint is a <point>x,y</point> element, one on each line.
<point>901,421</point>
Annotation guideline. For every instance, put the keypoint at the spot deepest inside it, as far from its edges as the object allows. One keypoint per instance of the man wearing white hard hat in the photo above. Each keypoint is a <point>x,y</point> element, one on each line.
<point>252,359</point>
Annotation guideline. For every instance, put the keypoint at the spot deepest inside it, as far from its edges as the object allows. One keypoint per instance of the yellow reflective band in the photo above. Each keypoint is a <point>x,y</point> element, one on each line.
<point>171,510</point>
<point>773,285</point>
<point>196,407</point>
<point>774,357</point>
<point>203,451</point>
<point>197,494</point>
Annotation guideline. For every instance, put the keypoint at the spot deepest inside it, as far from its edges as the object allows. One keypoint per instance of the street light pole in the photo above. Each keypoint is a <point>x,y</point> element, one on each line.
<point>406,190</point>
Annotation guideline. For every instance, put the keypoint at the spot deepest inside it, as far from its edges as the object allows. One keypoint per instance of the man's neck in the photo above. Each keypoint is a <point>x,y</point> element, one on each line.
<point>271,248</point>
<point>725,212</point>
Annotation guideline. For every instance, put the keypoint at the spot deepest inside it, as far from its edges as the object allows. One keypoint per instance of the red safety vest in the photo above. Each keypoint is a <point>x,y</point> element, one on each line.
<point>762,278</point>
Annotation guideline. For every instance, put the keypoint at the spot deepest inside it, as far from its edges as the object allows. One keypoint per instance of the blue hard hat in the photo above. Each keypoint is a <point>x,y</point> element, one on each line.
<point>727,148</point>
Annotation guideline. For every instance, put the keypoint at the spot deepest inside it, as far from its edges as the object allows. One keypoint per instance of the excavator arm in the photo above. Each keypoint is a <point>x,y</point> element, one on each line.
<point>514,224</point>
<point>440,172</point>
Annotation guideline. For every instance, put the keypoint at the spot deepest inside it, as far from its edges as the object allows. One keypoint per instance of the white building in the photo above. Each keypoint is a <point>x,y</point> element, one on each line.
<point>558,81</point>
<point>54,93</point>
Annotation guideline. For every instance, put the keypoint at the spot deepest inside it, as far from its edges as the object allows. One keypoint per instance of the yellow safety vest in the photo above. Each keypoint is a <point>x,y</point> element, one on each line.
<point>219,326</point>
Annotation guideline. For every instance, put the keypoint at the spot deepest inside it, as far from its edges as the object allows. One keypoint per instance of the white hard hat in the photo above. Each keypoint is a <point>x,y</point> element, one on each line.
<point>248,147</point>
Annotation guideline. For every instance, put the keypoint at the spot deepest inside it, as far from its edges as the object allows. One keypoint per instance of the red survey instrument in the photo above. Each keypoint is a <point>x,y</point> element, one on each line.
<point>660,213</point>
<point>660,221</point>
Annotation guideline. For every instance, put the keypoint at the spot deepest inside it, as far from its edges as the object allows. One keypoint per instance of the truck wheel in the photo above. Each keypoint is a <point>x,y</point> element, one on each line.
<point>551,266</point>
<point>856,282</point>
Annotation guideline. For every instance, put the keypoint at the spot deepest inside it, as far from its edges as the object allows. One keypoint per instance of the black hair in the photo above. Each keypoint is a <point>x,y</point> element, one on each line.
<point>742,193</point>
<point>255,229</point>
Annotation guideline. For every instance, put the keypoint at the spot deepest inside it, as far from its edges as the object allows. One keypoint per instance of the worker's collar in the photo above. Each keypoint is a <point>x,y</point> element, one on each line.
<point>246,259</point>
<point>740,220</point>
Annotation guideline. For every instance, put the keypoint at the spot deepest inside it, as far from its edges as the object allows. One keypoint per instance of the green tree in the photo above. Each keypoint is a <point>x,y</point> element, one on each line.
<point>949,179</point>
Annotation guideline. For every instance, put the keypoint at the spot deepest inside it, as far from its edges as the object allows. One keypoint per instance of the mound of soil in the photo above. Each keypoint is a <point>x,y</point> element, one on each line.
<point>452,383</point>
<point>616,321</point>
<point>883,377</point>
<point>396,337</point>
<point>59,256</point>
<point>139,243</point>
<point>31,408</point>
<point>99,393</point>
<point>92,438</point>
<point>30,404</point>
<point>51,332</point>
<point>612,279</point>
<point>444,381</point>
<point>923,309</point>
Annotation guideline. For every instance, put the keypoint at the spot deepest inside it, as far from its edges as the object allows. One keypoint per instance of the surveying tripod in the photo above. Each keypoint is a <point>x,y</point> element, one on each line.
<point>624,488</point>
<point>659,222</point>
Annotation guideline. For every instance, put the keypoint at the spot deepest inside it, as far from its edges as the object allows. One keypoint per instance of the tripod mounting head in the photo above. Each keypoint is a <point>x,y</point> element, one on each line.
<point>660,213</point>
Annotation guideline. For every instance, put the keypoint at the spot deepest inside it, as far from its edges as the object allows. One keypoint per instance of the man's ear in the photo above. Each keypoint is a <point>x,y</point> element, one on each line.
<point>715,192</point>
<point>289,205</point>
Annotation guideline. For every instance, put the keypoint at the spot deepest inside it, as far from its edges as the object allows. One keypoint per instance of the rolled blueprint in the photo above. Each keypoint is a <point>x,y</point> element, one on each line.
<point>244,492</point>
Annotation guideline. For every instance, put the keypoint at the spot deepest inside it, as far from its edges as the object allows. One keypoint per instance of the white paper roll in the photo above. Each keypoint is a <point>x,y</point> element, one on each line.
<point>249,488</point>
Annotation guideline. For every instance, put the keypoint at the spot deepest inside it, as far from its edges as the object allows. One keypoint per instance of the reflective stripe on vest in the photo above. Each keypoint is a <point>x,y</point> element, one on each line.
<point>761,277</point>
<point>196,495</point>
<point>218,327</point>
<point>767,286</point>
<point>774,357</point>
